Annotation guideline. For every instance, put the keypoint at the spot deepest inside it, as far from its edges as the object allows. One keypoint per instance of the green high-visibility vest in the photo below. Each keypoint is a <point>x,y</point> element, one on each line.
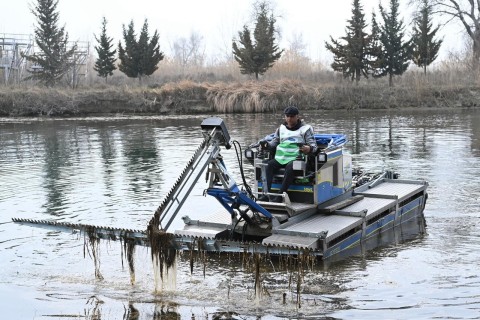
<point>287,150</point>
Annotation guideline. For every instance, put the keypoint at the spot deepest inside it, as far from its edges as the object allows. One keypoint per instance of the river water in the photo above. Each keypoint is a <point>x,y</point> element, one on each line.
<point>115,172</point>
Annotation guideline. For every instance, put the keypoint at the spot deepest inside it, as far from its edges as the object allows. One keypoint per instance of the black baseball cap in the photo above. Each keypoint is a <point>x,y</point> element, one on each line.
<point>291,110</point>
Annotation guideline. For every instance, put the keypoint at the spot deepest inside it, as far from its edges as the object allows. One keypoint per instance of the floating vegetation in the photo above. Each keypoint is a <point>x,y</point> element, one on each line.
<point>198,253</point>
<point>167,311</point>
<point>256,265</point>
<point>91,247</point>
<point>95,313</point>
<point>132,312</point>
<point>299,284</point>
<point>258,283</point>
<point>165,277</point>
<point>128,252</point>
<point>294,267</point>
<point>164,257</point>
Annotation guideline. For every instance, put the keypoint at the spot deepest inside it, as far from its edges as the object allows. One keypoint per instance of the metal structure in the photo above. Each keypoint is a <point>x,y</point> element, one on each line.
<point>78,62</point>
<point>13,49</point>
<point>13,64</point>
<point>327,211</point>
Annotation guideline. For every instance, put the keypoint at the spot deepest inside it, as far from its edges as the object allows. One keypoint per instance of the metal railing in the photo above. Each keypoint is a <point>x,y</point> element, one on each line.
<point>14,48</point>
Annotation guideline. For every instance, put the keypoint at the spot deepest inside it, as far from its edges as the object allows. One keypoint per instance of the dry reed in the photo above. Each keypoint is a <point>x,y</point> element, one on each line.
<point>221,88</point>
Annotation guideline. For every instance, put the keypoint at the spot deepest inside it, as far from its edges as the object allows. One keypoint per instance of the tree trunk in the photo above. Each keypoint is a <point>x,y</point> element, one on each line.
<point>476,49</point>
<point>390,80</point>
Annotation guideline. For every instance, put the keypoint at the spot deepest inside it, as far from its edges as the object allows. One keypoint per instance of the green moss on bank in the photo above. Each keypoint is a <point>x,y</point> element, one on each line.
<point>189,98</point>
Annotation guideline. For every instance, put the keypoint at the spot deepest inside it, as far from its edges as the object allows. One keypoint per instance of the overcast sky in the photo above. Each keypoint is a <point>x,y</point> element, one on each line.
<point>216,20</point>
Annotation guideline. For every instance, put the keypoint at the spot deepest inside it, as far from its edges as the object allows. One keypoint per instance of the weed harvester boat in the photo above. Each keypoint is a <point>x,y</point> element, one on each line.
<point>329,208</point>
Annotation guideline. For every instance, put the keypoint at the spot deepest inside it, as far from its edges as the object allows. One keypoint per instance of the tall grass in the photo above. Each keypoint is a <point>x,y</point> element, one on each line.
<point>455,70</point>
<point>220,87</point>
<point>266,96</point>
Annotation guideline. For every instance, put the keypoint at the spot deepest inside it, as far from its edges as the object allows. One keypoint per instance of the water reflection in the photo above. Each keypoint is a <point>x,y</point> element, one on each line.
<point>475,136</point>
<point>116,171</point>
<point>57,155</point>
<point>94,310</point>
<point>161,311</point>
<point>108,138</point>
<point>142,158</point>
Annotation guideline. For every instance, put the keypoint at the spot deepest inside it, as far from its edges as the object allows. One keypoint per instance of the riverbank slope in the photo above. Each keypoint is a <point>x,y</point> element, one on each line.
<point>188,97</point>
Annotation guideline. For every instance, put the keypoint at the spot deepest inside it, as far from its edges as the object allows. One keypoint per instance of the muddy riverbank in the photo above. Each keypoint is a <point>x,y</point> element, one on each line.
<point>192,98</point>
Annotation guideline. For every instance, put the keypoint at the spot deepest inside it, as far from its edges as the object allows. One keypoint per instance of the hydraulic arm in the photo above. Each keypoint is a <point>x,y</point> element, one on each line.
<point>222,185</point>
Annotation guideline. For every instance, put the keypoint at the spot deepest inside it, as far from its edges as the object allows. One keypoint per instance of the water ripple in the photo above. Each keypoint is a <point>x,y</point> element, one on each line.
<point>116,171</point>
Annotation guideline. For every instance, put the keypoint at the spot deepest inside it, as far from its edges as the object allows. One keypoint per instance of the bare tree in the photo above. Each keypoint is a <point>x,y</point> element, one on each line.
<point>189,51</point>
<point>295,53</point>
<point>294,62</point>
<point>467,12</point>
<point>296,45</point>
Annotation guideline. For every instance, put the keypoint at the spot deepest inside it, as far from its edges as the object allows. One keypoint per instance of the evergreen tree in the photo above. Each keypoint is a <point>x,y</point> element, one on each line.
<point>424,47</point>
<point>105,63</point>
<point>351,55</point>
<point>128,54</point>
<point>396,52</point>
<point>140,57</point>
<point>149,52</point>
<point>341,55</point>
<point>258,56</point>
<point>55,58</point>
<point>375,50</point>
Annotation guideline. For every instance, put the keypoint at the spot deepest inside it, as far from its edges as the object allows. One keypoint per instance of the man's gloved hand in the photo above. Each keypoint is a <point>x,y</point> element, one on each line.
<point>305,148</point>
<point>263,144</point>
